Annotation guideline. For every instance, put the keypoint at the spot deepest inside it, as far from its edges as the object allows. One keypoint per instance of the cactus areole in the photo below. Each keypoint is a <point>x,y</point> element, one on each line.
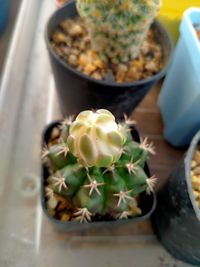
<point>96,168</point>
<point>118,28</point>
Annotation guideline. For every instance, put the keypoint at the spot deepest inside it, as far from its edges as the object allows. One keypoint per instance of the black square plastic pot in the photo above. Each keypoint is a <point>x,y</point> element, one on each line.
<point>77,92</point>
<point>147,202</point>
<point>176,220</point>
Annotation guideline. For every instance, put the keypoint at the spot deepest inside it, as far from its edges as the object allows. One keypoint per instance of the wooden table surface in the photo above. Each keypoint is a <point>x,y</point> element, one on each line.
<point>149,123</point>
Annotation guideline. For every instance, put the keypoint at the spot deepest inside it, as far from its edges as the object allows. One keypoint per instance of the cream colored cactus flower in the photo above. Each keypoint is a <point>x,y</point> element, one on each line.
<point>96,139</point>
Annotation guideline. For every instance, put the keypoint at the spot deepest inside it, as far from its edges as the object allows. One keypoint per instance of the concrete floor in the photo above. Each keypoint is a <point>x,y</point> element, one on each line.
<point>7,34</point>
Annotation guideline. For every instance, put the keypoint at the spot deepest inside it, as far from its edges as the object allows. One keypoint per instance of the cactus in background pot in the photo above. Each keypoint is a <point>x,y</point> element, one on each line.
<point>118,28</point>
<point>96,168</point>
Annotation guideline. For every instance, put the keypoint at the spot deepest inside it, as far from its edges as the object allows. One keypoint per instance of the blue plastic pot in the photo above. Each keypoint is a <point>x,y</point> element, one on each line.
<point>179,100</point>
<point>4,13</point>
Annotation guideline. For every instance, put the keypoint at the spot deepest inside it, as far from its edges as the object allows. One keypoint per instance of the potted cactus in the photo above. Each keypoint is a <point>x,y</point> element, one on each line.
<point>94,171</point>
<point>109,56</point>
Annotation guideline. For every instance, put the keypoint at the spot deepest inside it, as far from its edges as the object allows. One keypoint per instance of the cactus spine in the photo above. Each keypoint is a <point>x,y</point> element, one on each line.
<point>118,28</point>
<point>97,167</point>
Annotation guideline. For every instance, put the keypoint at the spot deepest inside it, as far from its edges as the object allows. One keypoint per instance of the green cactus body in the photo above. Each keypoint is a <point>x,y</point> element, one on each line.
<point>104,175</point>
<point>92,199</point>
<point>55,159</point>
<point>117,28</point>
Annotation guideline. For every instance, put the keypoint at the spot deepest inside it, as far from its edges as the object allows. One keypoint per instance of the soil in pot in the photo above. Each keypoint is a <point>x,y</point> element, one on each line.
<point>195,175</point>
<point>71,43</point>
<point>94,169</point>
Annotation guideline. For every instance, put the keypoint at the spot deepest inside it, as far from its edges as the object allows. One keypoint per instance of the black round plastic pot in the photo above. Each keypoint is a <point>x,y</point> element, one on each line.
<point>147,202</point>
<point>177,217</point>
<point>77,91</point>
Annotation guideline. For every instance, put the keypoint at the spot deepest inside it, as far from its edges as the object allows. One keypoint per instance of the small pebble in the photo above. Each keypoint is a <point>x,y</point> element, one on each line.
<point>55,133</point>
<point>51,212</point>
<point>98,63</point>
<point>75,51</point>
<point>86,40</point>
<point>69,41</point>
<point>59,37</point>
<point>194,178</point>
<point>133,73</point>
<point>138,63</point>
<point>66,24</point>
<point>96,76</point>
<point>122,68</point>
<point>49,179</point>
<point>83,60</point>
<point>193,164</point>
<point>197,157</point>
<point>75,30</point>
<point>196,194</point>
<point>73,60</point>
<point>196,170</point>
<point>145,48</point>
<point>133,206</point>
<point>52,203</point>
<point>65,217</point>
<point>89,68</point>
<point>136,211</point>
<point>151,66</point>
<point>65,50</point>
<point>82,46</point>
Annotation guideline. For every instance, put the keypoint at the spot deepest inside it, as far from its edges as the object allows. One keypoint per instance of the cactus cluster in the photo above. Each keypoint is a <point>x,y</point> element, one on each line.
<point>118,28</point>
<point>95,165</point>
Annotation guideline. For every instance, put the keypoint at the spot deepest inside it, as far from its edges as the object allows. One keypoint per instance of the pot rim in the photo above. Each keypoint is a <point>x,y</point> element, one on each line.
<point>157,76</point>
<point>188,158</point>
<point>97,223</point>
